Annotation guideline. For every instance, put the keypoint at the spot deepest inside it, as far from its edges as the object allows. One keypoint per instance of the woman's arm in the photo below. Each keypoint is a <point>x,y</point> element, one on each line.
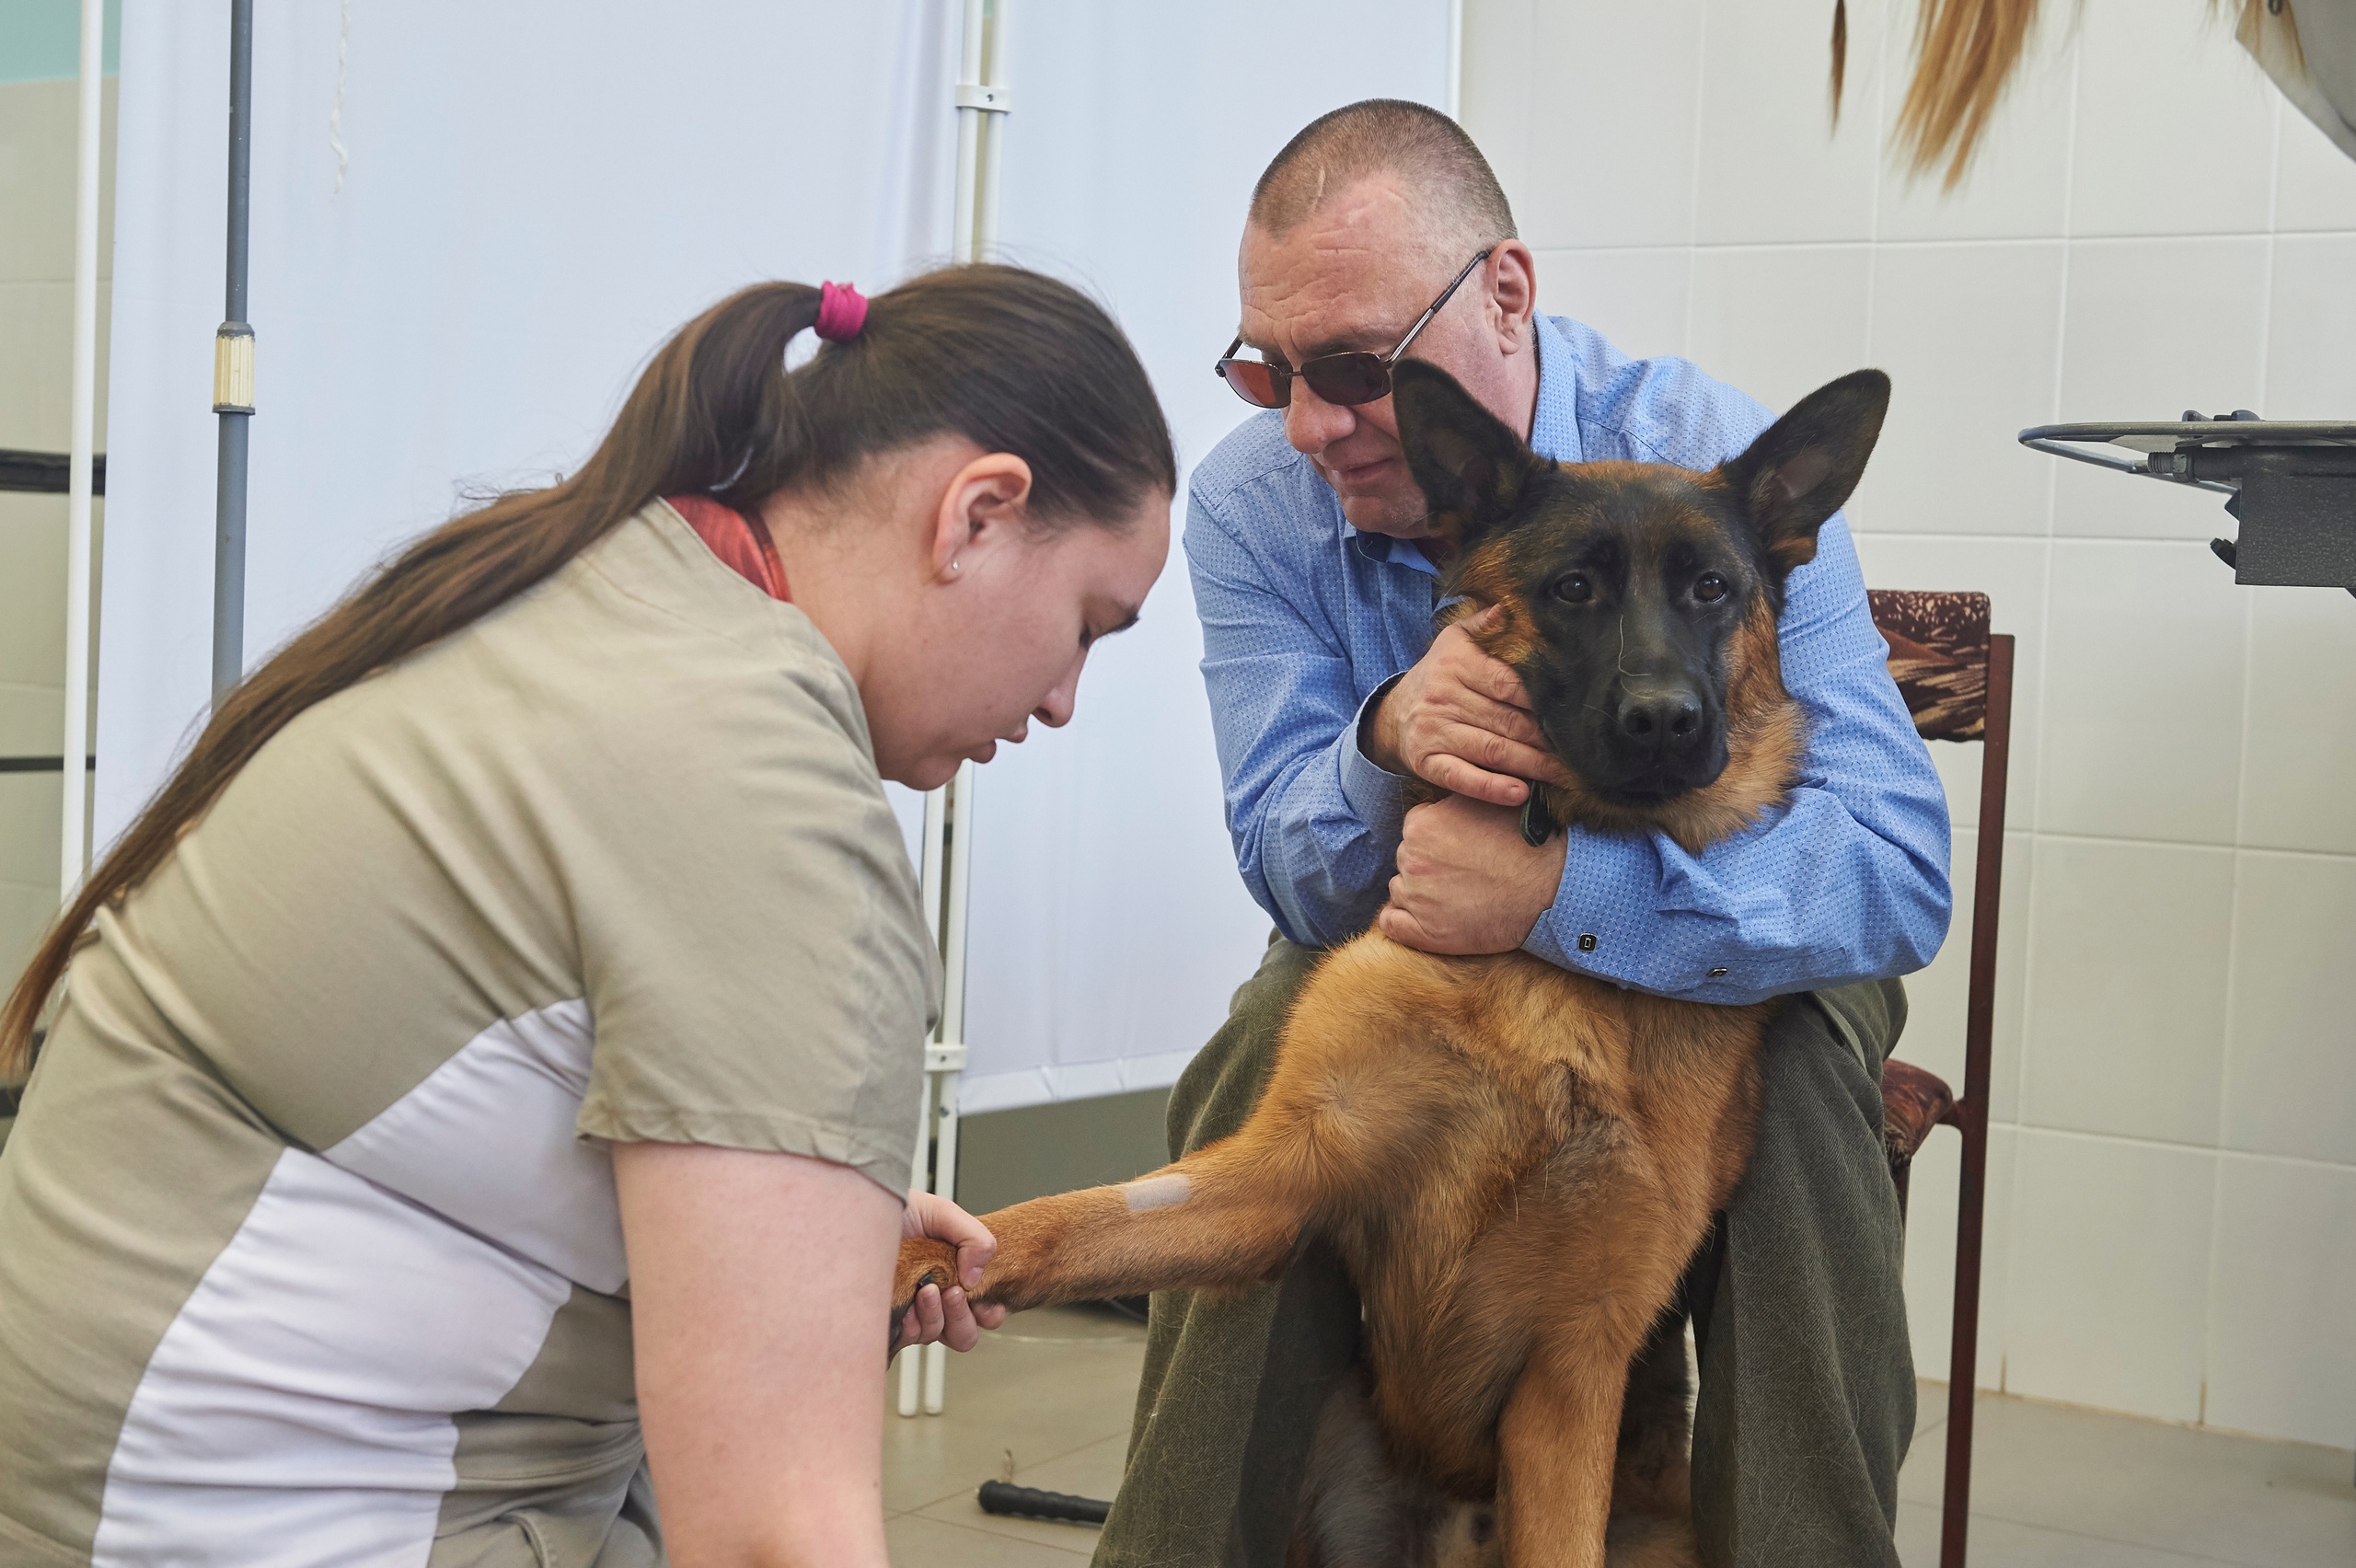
<point>760,1296</point>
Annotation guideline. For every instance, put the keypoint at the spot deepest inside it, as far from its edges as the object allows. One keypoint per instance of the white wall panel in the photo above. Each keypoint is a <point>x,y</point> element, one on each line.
<point>2315,183</point>
<point>2311,355</point>
<point>2290,1085</point>
<point>2143,705</point>
<point>2176,123</point>
<point>1638,298</point>
<point>2106,1302</point>
<point>1771,165</point>
<point>2126,1023</point>
<point>1779,321</point>
<point>2283,1360</point>
<point>2299,741</point>
<point>1637,64</point>
<point>1967,333</point>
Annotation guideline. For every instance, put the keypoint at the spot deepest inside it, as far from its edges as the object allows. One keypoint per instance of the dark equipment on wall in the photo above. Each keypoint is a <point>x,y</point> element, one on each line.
<point>2291,484</point>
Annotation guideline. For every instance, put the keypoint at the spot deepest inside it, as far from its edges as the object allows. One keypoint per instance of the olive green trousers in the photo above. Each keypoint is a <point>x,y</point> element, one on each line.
<point>1806,1402</point>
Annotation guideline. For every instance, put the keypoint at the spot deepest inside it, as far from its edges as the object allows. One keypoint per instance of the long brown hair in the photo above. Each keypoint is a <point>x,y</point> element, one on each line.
<point>1967,50</point>
<point>1010,360</point>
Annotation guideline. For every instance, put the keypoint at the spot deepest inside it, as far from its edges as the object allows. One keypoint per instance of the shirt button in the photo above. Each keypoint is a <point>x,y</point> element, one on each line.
<point>1587,941</point>
<point>1718,973</point>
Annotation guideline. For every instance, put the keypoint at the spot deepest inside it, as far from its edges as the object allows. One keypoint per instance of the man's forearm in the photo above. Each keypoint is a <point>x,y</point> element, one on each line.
<point>1317,852</point>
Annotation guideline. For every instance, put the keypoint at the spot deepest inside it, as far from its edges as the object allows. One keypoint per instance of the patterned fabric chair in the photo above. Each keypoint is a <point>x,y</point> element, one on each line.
<point>1956,678</point>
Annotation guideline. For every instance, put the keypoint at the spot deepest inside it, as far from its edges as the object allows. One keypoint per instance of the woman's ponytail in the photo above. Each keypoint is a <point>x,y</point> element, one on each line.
<point>1007,358</point>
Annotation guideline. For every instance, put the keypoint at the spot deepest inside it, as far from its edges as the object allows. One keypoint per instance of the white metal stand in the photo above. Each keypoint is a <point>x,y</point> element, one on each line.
<point>72,826</point>
<point>982,100</point>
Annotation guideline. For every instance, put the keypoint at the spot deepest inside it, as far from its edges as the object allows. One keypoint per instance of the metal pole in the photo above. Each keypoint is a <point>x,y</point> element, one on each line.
<point>934,870</point>
<point>73,825</point>
<point>232,370</point>
<point>993,155</point>
<point>982,102</point>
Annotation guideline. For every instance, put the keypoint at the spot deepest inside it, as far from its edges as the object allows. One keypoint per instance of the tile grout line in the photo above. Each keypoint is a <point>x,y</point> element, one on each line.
<point>1980,243</point>
<point>2044,678</point>
<point>2299,1161</point>
<point>1954,537</point>
<point>2212,1300</point>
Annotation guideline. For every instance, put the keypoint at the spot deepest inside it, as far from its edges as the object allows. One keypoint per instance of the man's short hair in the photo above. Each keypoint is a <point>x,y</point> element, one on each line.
<point>1443,172</point>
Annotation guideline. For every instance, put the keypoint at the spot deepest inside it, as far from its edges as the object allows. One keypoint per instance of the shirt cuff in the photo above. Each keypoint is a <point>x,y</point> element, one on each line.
<point>1377,795</point>
<point>1604,923</point>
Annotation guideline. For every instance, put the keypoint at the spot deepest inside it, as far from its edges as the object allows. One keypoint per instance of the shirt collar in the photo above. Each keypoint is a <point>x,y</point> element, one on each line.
<point>1553,434</point>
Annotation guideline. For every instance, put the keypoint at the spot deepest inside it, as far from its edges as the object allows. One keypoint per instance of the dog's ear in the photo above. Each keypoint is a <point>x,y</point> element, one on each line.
<point>1798,472</point>
<point>1472,468</point>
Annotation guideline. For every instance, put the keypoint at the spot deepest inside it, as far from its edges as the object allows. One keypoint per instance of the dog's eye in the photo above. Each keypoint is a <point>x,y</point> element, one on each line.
<point>1575,589</point>
<point>1710,588</point>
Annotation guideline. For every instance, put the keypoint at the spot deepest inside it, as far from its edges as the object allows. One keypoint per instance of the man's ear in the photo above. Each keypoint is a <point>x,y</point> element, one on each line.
<point>1472,468</point>
<point>1798,472</point>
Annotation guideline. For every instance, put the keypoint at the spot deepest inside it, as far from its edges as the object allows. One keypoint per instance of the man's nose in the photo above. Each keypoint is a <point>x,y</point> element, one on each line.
<point>1312,424</point>
<point>1661,716</point>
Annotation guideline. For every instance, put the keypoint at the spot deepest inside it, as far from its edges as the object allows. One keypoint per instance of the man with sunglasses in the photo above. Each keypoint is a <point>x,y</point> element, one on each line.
<point>1378,232</point>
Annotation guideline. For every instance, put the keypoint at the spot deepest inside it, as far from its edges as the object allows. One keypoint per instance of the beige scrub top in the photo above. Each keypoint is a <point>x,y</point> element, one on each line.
<point>308,1245</point>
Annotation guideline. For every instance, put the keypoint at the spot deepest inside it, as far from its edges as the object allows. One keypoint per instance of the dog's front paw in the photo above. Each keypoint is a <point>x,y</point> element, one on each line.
<point>923,1261</point>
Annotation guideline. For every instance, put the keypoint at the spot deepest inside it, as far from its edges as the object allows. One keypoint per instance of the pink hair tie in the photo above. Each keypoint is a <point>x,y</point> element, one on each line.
<point>842,311</point>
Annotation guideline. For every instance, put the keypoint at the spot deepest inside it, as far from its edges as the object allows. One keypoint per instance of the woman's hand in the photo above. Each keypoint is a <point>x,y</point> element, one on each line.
<point>949,1318</point>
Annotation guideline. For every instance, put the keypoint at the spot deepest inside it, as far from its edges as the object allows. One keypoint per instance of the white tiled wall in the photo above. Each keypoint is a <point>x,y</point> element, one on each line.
<point>36,170</point>
<point>2173,1187</point>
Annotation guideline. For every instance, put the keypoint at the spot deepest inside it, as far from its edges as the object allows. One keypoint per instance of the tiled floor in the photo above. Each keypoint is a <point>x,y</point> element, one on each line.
<point>2052,1487</point>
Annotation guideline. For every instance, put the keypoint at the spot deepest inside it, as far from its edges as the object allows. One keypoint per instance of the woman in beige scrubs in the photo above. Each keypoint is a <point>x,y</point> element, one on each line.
<point>482,1079</point>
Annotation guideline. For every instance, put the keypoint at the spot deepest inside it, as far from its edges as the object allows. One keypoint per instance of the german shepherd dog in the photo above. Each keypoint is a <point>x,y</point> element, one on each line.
<point>1514,1161</point>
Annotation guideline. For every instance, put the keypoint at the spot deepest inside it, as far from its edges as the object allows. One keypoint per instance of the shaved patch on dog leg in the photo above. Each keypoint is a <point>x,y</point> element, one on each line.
<point>1158,1191</point>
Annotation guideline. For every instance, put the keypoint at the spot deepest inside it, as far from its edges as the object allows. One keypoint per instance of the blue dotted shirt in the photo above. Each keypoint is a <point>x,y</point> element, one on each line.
<point>1304,617</point>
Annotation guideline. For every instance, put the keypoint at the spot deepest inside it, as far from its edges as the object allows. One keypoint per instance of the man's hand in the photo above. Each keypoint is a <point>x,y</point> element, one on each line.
<point>949,1315</point>
<point>1467,883</point>
<point>1461,721</point>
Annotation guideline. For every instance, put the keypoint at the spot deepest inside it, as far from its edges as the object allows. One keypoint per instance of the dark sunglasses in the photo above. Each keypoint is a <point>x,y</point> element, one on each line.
<point>1358,378</point>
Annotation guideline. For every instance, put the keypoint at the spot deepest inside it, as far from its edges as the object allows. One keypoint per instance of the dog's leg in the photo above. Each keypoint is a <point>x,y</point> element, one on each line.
<point>1202,1224</point>
<point>1363,1110</point>
<point>1623,1243</point>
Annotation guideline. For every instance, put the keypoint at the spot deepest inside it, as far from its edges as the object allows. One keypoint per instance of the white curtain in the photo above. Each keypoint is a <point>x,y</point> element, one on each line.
<point>1109,925</point>
<point>534,194</point>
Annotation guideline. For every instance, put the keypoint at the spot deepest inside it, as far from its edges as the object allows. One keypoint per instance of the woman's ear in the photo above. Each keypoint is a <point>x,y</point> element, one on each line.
<point>984,502</point>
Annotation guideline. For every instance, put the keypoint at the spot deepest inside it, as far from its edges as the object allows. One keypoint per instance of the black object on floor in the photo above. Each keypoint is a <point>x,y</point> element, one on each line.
<point>1005,1497</point>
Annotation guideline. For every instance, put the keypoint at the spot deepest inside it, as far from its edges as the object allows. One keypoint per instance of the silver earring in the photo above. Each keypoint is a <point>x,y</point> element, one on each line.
<point>956,566</point>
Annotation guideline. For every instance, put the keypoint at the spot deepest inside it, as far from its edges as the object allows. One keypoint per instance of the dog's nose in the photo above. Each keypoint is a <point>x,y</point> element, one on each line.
<point>1660,719</point>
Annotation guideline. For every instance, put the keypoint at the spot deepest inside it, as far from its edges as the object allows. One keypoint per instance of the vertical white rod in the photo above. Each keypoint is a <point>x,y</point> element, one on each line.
<point>72,826</point>
<point>947,850</point>
<point>994,138</point>
<point>961,865</point>
<point>933,868</point>
<point>952,1031</point>
<point>969,137</point>
<point>1456,60</point>
<point>911,1360</point>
